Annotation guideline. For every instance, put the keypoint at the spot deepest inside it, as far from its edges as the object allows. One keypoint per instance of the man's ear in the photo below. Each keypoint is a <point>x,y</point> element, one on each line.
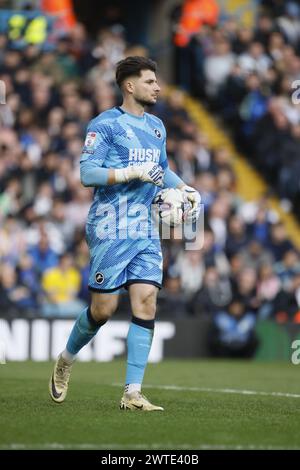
<point>128,85</point>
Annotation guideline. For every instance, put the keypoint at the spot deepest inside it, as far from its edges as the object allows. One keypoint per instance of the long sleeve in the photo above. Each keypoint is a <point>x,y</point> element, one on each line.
<point>171,180</point>
<point>96,147</point>
<point>92,175</point>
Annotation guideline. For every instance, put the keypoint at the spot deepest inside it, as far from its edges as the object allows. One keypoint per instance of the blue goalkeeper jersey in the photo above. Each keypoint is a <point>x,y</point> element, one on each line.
<point>117,139</point>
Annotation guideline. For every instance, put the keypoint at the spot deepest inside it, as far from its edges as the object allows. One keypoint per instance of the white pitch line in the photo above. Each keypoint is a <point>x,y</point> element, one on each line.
<point>217,390</point>
<point>152,446</point>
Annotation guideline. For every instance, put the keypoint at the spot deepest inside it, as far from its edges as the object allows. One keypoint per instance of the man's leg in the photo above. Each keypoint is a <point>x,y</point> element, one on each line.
<point>139,340</point>
<point>86,327</point>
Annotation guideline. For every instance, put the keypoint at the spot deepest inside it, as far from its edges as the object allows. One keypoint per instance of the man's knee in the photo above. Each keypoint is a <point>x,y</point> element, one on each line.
<point>148,301</point>
<point>144,302</point>
<point>102,310</point>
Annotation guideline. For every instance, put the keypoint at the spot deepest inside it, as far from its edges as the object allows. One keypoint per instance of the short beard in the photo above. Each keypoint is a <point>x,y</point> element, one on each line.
<point>144,103</point>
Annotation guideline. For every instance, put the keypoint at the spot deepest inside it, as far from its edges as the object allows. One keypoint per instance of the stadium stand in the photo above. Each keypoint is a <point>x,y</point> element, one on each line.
<point>51,96</point>
<point>250,77</point>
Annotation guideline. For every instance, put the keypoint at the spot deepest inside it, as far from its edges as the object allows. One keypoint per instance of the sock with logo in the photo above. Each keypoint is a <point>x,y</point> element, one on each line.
<point>83,331</point>
<point>139,340</point>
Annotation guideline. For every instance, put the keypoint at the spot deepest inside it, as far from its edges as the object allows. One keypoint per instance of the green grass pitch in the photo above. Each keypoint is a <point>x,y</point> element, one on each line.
<point>208,405</point>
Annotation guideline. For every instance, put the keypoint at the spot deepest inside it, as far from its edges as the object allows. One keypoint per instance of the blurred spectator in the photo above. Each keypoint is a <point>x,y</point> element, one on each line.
<point>288,268</point>
<point>43,256</point>
<point>233,332</point>
<point>268,287</point>
<point>237,237</point>
<point>61,286</point>
<point>190,270</point>
<point>287,302</point>
<point>244,288</point>
<point>13,241</point>
<point>217,66</point>
<point>254,60</point>
<point>28,277</point>
<point>172,298</point>
<point>214,294</point>
<point>254,256</point>
<point>17,296</point>
<point>290,23</point>
<point>279,243</point>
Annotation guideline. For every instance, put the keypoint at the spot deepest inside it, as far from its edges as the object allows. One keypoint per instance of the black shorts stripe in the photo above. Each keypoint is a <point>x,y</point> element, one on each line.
<point>96,289</point>
<point>126,285</point>
<point>143,281</point>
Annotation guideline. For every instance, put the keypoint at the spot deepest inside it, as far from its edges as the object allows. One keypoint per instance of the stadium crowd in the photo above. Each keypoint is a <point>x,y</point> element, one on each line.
<point>247,269</point>
<point>251,79</point>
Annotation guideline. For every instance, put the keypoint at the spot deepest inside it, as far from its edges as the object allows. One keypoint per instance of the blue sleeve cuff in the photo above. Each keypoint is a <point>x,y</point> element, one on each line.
<point>171,180</point>
<point>93,175</point>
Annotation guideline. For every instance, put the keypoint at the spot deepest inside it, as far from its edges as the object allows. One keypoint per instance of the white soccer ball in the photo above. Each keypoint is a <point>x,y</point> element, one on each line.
<point>171,205</point>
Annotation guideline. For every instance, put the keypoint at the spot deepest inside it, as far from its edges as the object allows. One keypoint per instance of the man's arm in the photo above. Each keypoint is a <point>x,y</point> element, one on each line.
<point>92,175</point>
<point>96,147</point>
<point>171,180</point>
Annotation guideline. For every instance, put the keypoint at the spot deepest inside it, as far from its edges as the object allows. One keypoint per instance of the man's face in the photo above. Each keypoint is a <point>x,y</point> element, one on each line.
<point>145,88</point>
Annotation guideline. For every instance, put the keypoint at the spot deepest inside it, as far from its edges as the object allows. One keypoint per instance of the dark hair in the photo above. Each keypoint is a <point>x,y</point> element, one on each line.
<point>133,66</point>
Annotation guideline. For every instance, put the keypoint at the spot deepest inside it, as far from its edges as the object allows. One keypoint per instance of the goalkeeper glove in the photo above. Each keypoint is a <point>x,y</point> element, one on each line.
<point>194,199</point>
<point>148,173</point>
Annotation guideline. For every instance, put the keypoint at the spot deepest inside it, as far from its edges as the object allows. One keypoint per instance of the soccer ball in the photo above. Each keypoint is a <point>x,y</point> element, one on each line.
<point>171,205</point>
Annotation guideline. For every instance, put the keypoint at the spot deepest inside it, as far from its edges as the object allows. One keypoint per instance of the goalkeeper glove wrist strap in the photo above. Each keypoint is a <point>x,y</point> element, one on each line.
<point>123,175</point>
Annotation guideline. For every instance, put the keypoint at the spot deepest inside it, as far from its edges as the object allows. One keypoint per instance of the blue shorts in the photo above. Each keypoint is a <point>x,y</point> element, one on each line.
<point>118,263</point>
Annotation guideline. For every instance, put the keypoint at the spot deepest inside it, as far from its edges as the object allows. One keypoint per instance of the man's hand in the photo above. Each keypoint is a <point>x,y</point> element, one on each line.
<point>195,199</point>
<point>148,173</point>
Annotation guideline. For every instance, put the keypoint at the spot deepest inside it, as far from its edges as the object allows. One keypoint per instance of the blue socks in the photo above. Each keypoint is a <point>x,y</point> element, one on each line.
<point>139,342</point>
<point>83,331</point>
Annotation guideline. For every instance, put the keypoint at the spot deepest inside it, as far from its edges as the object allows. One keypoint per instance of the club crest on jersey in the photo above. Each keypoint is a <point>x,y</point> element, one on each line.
<point>157,133</point>
<point>129,133</point>
<point>99,278</point>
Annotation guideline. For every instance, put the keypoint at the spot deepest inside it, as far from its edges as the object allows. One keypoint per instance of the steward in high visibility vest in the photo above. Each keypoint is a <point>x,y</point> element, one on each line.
<point>195,13</point>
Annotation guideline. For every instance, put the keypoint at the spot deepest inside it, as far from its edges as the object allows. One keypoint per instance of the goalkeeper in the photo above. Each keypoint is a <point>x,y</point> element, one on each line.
<point>124,159</point>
